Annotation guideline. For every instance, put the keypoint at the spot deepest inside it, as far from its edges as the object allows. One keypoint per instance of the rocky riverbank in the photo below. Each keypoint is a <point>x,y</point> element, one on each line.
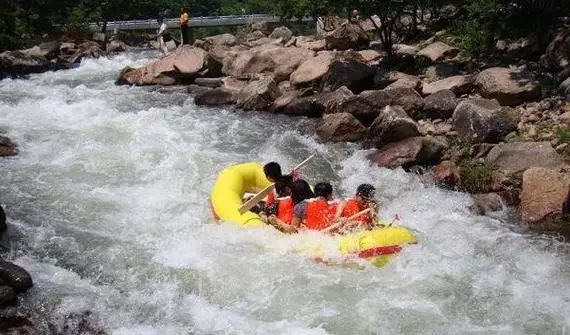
<point>497,130</point>
<point>55,55</point>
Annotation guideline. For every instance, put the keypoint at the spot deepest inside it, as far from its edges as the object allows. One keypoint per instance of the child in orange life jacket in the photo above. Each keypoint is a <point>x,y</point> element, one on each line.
<point>316,213</point>
<point>363,199</point>
<point>300,192</point>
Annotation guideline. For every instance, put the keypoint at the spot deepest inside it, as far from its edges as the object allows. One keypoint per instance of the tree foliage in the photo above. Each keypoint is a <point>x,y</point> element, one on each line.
<point>478,25</point>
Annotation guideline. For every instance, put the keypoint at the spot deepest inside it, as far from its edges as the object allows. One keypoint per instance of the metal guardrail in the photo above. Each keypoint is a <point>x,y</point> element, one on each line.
<point>203,21</point>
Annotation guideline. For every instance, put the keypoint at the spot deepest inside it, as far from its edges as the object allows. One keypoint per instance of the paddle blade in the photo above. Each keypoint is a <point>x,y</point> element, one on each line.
<point>256,199</point>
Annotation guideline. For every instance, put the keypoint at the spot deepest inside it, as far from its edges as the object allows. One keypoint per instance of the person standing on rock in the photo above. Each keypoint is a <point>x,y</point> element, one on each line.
<point>184,26</point>
<point>163,36</point>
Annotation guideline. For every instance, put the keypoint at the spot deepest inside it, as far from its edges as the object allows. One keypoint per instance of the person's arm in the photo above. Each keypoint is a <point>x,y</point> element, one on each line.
<point>339,210</point>
<point>299,213</point>
<point>280,225</point>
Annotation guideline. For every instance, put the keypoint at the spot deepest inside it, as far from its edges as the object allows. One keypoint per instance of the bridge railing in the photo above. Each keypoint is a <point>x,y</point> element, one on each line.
<point>202,21</point>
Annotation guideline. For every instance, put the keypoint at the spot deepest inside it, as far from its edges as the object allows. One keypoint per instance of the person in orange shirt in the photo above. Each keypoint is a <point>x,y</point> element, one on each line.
<point>184,26</point>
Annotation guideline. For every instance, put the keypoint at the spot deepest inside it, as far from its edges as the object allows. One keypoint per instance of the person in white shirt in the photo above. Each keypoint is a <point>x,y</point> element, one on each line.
<point>161,35</point>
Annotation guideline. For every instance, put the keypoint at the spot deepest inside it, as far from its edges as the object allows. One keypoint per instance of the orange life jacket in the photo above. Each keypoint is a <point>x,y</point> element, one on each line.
<point>285,209</point>
<point>353,207</point>
<point>319,214</point>
<point>271,197</point>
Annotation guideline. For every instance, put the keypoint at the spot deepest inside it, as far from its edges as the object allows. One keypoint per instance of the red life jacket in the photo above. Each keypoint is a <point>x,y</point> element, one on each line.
<point>353,207</point>
<point>285,209</point>
<point>318,214</point>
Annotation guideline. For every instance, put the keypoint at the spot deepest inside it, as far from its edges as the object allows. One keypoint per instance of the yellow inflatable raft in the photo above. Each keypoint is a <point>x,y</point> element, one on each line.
<point>229,189</point>
<point>377,245</point>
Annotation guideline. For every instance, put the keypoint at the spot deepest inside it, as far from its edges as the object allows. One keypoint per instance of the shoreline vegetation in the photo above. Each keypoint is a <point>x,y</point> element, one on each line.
<point>470,97</point>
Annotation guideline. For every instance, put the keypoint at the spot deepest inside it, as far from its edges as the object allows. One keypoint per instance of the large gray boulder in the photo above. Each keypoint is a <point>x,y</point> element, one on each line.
<point>406,97</point>
<point>183,64</point>
<point>440,105</point>
<point>564,89</point>
<point>17,63</point>
<point>49,50</point>
<point>545,195</point>
<point>440,71</point>
<point>356,76</point>
<point>347,36</point>
<point>393,125</point>
<point>313,68</point>
<point>481,120</point>
<point>368,105</point>
<point>7,147</point>
<point>258,95</point>
<point>278,61</point>
<point>407,81</point>
<point>15,276</point>
<point>310,43</point>
<point>341,127</point>
<point>284,33</point>
<point>87,49</point>
<point>516,157</point>
<point>316,105</point>
<point>458,84</point>
<point>383,78</point>
<point>216,97</point>
<point>438,51</point>
<point>557,55</point>
<point>409,152</point>
<point>223,40</point>
<point>510,87</point>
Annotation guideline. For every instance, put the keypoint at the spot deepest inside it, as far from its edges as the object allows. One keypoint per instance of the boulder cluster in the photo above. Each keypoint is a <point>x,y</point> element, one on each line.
<point>490,129</point>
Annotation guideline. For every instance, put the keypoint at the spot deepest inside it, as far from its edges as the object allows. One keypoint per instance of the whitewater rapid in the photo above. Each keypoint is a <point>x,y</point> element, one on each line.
<point>107,206</point>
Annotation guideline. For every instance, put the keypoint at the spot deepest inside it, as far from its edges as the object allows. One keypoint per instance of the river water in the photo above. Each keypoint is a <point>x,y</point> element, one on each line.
<point>107,206</point>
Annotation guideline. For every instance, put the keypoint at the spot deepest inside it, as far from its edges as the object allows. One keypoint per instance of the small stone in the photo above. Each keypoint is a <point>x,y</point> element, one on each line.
<point>533,118</point>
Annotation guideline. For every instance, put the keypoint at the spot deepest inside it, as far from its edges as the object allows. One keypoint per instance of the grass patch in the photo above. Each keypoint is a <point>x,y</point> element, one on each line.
<point>476,178</point>
<point>562,134</point>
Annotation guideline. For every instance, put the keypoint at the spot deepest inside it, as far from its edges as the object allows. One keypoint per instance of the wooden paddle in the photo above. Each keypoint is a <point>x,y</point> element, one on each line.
<point>367,210</point>
<point>256,199</point>
<point>303,163</point>
<point>265,192</point>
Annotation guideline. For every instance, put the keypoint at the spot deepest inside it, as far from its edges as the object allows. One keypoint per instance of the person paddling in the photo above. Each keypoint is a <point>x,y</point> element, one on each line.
<point>363,199</point>
<point>274,174</point>
<point>300,191</point>
<point>315,213</point>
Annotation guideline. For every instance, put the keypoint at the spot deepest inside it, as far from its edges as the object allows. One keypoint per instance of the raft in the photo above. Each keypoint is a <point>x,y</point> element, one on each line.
<point>377,245</point>
<point>229,189</point>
